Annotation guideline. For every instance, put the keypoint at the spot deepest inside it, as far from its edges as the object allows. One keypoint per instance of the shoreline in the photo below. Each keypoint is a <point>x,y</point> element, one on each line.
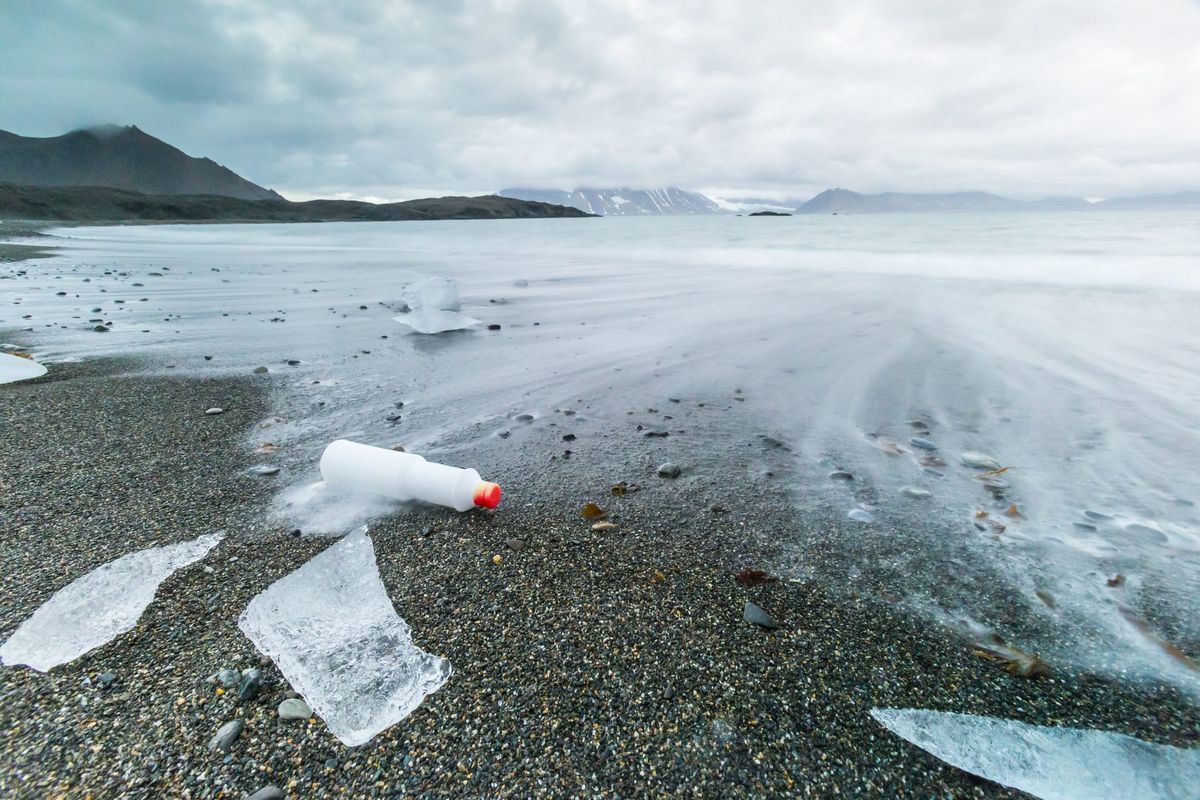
<point>608,663</point>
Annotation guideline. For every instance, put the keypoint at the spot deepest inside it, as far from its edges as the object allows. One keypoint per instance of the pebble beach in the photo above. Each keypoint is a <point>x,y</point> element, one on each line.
<point>611,663</point>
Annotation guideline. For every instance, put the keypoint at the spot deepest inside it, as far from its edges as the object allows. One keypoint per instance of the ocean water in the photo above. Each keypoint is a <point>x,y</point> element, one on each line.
<point>1063,347</point>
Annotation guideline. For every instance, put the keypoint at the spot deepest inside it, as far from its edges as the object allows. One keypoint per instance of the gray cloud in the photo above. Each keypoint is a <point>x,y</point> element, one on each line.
<point>396,99</point>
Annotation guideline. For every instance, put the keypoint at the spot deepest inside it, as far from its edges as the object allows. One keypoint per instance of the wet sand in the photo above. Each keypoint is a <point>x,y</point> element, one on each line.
<point>612,663</point>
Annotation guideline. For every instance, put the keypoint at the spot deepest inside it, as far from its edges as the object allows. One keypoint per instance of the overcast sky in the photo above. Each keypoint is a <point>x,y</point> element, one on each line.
<point>391,99</point>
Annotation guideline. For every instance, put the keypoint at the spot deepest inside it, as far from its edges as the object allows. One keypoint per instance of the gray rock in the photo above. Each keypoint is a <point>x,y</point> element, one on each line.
<point>101,329</point>
<point>979,461</point>
<point>228,677</point>
<point>212,412</point>
<point>841,475</point>
<point>915,491</point>
<point>669,470</point>
<point>650,434</point>
<point>267,793</point>
<point>294,708</point>
<point>107,679</point>
<point>1146,534</point>
<point>516,545</point>
<point>226,735</point>
<point>249,684</point>
<point>262,371</point>
<point>922,443</point>
<point>756,616</point>
<point>265,469</point>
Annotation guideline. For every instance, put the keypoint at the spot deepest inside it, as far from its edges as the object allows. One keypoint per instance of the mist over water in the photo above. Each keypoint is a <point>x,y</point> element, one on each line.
<point>1065,347</point>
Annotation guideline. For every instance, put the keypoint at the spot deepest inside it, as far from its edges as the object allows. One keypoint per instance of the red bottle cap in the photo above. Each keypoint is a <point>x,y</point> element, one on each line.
<point>487,494</point>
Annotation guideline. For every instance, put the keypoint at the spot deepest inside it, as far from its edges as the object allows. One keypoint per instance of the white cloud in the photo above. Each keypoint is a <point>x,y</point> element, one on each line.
<point>394,99</point>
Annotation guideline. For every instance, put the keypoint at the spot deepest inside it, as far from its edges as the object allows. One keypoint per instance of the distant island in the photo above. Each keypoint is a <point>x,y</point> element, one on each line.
<point>769,214</point>
<point>99,204</point>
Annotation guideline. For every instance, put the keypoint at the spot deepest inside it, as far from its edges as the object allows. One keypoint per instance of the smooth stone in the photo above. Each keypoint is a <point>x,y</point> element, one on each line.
<point>249,684</point>
<point>101,329</point>
<point>107,679</point>
<point>756,616</point>
<point>1144,533</point>
<point>915,491</point>
<point>841,475</point>
<point>212,412</point>
<point>268,792</point>
<point>669,470</point>
<point>265,469</point>
<point>228,678</point>
<point>523,418</point>
<point>225,735</point>
<point>860,515</point>
<point>979,460</point>
<point>937,473</point>
<point>655,434</point>
<point>923,443</point>
<point>920,425</point>
<point>294,708</point>
<point>261,371</point>
<point>1097,515</point>
<point>516,545</point>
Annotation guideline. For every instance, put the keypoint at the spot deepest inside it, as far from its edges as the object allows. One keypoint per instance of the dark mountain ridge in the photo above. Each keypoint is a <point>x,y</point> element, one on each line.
<point>119,158</point>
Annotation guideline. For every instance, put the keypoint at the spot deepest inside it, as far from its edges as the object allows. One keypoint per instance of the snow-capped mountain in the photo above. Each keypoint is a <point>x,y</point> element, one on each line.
<point>621,201</point>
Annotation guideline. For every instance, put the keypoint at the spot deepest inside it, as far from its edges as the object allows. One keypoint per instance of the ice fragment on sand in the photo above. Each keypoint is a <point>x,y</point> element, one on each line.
<point>1050,763</point>
<point>433,307</point>
<point>99,606</point>
<point>332,630</point>
<point>15,368</point>
<point>861,515</point>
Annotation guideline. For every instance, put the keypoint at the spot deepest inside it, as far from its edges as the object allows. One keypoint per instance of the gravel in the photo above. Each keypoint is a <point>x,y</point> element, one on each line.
<point>613,664</point>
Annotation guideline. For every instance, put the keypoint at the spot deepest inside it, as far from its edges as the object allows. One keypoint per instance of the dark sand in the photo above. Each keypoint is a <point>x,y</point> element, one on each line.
<point>611,664</point>
<point>30,247</point>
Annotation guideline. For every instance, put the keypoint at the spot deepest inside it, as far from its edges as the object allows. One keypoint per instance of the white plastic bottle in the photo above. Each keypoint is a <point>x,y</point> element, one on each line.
<point>405,476</point>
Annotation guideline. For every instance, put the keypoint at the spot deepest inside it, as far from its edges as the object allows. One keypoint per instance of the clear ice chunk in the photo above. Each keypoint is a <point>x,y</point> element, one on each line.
<point>436,321</point>
<point>331,629</point>
<point>1050,763</point>
<point>433,306</point>
<point>98,607</point>
<point>14,368</point>
<point>435,292</point>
